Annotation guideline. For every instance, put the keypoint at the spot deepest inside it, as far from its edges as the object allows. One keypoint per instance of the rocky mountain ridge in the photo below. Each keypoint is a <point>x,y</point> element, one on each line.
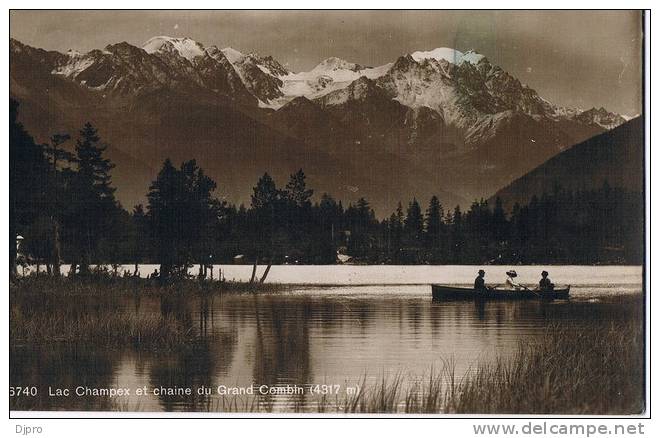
<point>443,121</point>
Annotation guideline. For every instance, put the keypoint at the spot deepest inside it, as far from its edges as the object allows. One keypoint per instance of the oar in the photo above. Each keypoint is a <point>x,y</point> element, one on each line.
<point>532,291</point>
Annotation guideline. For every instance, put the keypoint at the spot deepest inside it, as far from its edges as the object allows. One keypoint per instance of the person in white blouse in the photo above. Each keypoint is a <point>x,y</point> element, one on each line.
<point>510,282</point>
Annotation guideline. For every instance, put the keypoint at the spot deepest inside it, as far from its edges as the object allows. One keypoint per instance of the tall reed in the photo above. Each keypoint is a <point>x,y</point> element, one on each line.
<point>571,369</point>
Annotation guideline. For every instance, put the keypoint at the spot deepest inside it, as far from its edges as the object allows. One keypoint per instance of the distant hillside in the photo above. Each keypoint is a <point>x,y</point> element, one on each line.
<point>615,156</point>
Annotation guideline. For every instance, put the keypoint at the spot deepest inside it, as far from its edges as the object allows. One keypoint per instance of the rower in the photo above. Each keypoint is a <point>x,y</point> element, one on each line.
<point>479,283</point>
<point>545,284</point>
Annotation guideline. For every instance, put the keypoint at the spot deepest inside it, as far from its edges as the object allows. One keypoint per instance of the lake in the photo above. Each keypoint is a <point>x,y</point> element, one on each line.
<point>336,325</point>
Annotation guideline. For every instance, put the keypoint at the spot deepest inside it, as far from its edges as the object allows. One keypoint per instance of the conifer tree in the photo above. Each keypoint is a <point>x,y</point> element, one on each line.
<point>28,181</point>
<point>296,190</point>
<point>56,195</point>
<point>265,193</point>
<point>181,212</point>
<point>414,224</point>
<point>434,227</point>
<point>93,203</point>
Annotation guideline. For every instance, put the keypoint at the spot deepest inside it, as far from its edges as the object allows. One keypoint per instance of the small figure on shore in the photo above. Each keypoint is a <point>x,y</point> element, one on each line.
<point>510,282</point>
<point>545,284</point>
<point>479,282</point>
<point>154,274</point>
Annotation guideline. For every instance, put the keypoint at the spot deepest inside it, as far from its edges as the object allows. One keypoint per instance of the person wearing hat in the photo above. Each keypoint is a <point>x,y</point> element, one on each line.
<point>479,283</point>
<point>545,284</point>
<point>510,282</point>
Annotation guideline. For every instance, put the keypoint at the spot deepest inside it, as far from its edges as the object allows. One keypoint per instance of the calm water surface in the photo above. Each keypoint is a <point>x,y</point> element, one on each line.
<point>315,334</point>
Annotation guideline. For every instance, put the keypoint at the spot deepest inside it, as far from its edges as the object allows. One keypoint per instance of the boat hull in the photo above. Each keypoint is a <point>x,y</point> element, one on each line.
<point>446,293</point>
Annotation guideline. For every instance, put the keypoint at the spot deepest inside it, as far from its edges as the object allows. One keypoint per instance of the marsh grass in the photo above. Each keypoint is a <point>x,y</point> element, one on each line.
<point>106,285</point>
<point>44,309</point>
<point>105,329</point>
<point>595,369</point>
<point>571,369</point>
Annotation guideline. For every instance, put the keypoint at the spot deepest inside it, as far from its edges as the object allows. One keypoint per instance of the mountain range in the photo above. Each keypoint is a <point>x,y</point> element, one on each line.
<point>430,122</point>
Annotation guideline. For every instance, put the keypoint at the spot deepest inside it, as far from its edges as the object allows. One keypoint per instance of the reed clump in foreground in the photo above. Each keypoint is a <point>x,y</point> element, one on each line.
<point>92,310</point>
<point>107,285</point>
<point>571,369</point>
<point>598,369</point>
<point>101,330</point>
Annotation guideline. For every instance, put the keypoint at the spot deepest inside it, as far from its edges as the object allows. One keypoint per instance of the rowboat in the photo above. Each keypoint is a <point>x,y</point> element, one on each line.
<point>445,293</point>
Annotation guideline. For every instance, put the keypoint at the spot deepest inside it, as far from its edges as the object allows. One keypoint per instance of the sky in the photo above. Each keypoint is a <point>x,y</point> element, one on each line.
<point>579,59</point>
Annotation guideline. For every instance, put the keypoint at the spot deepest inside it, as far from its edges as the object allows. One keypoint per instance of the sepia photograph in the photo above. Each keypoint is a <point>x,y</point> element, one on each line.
<point>328,213</point>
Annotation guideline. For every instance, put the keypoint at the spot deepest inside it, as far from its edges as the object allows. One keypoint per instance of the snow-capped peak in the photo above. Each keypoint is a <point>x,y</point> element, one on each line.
<point>329,75</point>
<point>334,64</point>
<point>602,117</point>
<point>232,55</point>
<point>186,47</point>
<point>472,57</point>
<point>450,55</point>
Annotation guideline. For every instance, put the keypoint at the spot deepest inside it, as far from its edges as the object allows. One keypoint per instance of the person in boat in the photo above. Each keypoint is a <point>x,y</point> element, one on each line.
<point>545,284</point>
<point>510,282</point>
<point>480,283</point>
